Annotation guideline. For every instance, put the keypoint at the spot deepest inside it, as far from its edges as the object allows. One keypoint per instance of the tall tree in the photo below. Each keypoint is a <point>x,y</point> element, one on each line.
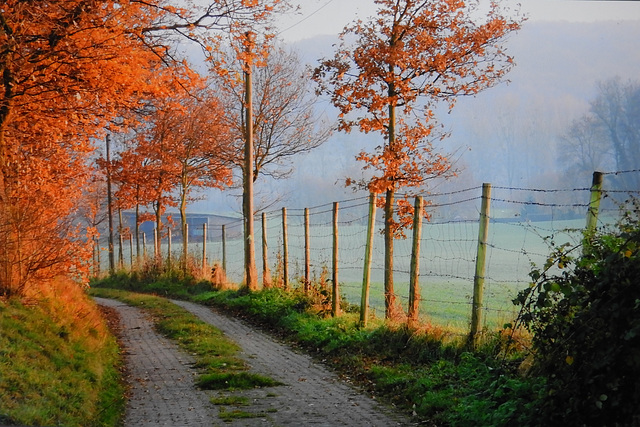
<point>199,145</point>
<point>273,109</point>
<point>401,63</point>
<point>616,111</point>
<point>608,135</point>
<point>285,119</point>
<point>584,149</point>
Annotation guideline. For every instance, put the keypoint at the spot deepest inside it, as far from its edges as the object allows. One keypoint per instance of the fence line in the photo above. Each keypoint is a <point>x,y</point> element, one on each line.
<point>522,223</point>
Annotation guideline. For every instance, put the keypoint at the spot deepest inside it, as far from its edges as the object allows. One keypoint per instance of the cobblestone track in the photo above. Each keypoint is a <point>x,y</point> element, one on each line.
<point>311,395</point>
<point>160,374</point>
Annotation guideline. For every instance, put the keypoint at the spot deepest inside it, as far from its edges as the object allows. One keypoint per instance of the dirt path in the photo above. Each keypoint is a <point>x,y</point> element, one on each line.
<point>164,394</point>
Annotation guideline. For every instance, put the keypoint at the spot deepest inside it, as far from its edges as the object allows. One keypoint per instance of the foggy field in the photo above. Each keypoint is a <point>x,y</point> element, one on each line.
<point>448,252</point>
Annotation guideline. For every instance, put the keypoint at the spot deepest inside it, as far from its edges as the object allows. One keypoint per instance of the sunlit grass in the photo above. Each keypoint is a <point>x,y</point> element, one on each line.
<point>58,362</point>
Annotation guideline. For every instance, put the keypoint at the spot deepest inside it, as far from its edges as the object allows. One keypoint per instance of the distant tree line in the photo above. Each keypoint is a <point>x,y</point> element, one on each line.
<point>607,137</point>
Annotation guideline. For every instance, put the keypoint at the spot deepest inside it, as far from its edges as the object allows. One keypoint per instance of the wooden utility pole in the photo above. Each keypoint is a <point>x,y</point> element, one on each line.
<point>112,260</point>
<point>249,241</point>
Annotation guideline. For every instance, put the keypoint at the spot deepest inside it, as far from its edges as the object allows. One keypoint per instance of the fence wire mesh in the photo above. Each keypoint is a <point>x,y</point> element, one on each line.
<point>524,224</point>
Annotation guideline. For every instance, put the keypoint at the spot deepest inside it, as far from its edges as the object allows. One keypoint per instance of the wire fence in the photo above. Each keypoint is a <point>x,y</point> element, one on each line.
<point>524,224</point>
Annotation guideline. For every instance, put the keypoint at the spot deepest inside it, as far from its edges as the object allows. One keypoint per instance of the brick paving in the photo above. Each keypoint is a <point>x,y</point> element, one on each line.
<point>160,375</point>
<point>164,394</point>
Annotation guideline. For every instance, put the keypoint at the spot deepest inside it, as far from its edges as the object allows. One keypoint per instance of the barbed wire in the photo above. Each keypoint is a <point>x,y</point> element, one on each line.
<point>621,172</point>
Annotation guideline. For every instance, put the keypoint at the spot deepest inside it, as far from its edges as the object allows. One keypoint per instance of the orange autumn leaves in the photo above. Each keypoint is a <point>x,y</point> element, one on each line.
<point>70,71</point>
<point>66,70</point>
<point>390,73</point>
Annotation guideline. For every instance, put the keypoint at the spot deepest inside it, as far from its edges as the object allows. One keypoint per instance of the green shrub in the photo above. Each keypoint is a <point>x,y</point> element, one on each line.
<point>586,330</point>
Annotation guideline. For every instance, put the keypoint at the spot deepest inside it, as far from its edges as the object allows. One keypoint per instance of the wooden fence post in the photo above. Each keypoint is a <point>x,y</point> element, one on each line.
<point>224,248</point>
<point>169,248</point>
<point>204,249</point>
<point>285,251</point>
<point>266,274</point>
<point>96,267</point>
<point>120,251</point>
<point>335,300</point>
<point>478,279</point>
<point>368,254</point>
<point>594,207</point>
<point>307,252</point>
<point>414,286</point>
<point>185,247</point>
<point>144,246</point>
<point>131,249</point>
<point>121,239</point>
<point>156,244</point>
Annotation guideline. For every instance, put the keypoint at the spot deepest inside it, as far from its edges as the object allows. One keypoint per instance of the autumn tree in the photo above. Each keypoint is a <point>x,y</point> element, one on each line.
<point>66,70</point>
<point>388,75</point>
<point>284,122</point>
<point>195,148</point>
<point>203,151</point>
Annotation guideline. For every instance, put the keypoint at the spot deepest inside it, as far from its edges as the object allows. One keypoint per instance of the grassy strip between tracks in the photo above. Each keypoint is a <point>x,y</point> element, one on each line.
<point>428,373</point>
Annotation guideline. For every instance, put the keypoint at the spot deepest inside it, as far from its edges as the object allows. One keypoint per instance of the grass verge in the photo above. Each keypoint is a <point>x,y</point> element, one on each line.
<point>58,361</point>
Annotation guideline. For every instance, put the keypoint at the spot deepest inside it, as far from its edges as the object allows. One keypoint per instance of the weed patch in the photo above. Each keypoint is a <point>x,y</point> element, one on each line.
<point>234,381</point>
<point>230,400</point>
<point>237,414</point>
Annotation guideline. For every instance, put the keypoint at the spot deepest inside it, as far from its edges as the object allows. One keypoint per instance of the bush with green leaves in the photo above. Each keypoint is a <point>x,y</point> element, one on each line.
<point>585,322</point>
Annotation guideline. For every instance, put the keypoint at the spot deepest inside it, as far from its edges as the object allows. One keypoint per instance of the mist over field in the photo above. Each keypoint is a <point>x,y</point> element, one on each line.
<point>508,135</point>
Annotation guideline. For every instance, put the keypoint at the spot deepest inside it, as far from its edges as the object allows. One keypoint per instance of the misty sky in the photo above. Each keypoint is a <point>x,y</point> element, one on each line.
<point>319,17</point>
<point>564,49</point>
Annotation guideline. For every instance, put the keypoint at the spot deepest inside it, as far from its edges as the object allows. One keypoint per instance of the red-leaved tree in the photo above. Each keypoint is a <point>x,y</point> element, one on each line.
<point>388,75</point>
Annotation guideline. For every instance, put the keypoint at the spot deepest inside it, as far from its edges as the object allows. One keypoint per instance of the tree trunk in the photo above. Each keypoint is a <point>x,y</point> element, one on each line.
<point>389,293</point>
<point>183,224</point>
<point>249,237</point>
<point>158,240</point>
<point>112,261</point>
